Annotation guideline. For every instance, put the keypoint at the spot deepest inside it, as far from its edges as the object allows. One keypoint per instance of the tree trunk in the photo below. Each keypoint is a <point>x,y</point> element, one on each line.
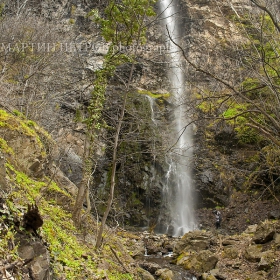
<point>84,184</point>
<point>113,175</point>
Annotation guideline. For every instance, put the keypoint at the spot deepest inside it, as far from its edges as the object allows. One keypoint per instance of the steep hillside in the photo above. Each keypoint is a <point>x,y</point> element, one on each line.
<point>38,238</point>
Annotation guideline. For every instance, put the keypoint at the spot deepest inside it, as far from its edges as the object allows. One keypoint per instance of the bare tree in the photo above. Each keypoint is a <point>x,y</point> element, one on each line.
<point>125,25</point>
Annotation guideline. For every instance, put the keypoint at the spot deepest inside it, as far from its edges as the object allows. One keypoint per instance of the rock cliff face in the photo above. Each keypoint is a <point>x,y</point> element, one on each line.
<point>218,155</point>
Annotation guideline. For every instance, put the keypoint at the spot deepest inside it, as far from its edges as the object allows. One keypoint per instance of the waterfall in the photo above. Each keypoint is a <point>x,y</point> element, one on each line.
<point>177,192</point>
<point>151,101</point>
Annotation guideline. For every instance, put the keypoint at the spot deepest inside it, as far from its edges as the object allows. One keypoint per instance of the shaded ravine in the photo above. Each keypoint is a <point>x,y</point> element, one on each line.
<point>177,191</point>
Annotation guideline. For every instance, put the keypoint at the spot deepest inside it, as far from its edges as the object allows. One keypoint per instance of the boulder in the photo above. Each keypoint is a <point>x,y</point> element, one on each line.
<point>261,275</point>
<point>154,246</point>
<point>267,261</point>
<point>230,242</point>
<point>230,253</point>
<point>34,250</point>
<point>264,233</point>
<point>277,239</point>
<point>253,253</point>
<point>194,241</point>
<point>145,275</point>
<point>204,261</point>
<point>164,274</point>
<point>63,181</point>
<point>251,229</point>
<point>264,264</point>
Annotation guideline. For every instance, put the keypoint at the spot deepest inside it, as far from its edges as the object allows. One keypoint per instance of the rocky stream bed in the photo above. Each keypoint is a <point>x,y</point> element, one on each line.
<point>209,255</point>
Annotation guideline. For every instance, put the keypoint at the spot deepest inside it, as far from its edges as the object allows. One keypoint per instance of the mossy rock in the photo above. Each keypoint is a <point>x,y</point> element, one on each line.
<point>230,253</point>
<point>267,261</point>
<point>164,274</point>
<point>253,253</point>
<point>264,233</point>
<point>194,241</point>
<point>204,261</point>
<point>154,94</point>
<point>22,144</point>
<point>145,275</point>
<point>208,277</point>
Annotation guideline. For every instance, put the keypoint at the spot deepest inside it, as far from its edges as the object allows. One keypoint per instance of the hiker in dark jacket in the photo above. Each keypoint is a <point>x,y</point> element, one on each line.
<point>218,217</point>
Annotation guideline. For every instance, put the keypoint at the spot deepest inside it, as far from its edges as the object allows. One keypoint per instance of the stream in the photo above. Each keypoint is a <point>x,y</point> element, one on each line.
<point>158,257</point>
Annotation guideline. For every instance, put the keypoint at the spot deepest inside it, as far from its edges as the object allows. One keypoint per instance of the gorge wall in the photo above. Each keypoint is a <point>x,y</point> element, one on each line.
<point>58,91</point>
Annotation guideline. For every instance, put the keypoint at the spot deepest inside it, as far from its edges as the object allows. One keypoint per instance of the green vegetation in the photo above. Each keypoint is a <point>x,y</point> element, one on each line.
<point>22,125</point>
<point>2,6</point>
<point>123,22</point>
<point>7,234</point>
<point>71,21</point>
<point>73,9</point>
<point>78,116</point>
<point>154,94</point>
<point>205,107</point>
<point>58,229</point>
<point>237,116</point>
<point>5,147</point>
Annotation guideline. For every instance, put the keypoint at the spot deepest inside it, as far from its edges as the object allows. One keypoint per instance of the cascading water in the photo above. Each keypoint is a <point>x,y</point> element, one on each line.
<point>177,192</point>
<point>151,101</point>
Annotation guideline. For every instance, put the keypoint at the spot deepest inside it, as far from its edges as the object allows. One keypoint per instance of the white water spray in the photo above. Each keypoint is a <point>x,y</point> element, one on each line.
<point>178,190</point>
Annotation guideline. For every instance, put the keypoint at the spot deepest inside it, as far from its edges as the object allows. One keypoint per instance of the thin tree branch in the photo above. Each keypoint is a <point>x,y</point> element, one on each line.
<point>265,9</point>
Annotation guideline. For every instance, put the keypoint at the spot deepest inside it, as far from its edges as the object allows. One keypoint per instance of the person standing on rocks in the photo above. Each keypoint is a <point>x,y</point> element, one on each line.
<point>218,217</point>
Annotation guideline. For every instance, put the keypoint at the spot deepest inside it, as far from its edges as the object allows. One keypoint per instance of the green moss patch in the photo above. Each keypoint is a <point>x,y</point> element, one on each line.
<point>154,94</point>
<point>19,123</point>
<point>5,147</point>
